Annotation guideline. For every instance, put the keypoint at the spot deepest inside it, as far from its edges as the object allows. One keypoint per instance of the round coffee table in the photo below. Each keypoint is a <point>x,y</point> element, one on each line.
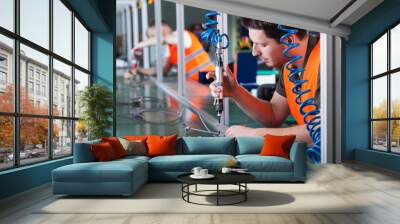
<point>238,179</point>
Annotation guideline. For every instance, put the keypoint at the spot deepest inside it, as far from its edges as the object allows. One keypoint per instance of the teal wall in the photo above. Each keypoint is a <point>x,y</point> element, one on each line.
<point>103,58</point>
<point>357,83</point>
<point>103,68</point>
<point>103,53</point>
<point>99,16</point>
<point>24,178</point>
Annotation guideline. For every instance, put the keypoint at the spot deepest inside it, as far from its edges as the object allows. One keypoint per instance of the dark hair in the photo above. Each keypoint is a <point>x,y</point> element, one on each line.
<point>271,30</point>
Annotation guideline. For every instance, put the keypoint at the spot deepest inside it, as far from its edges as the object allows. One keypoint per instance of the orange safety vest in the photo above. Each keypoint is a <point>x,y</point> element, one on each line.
<point>311,72</point>
<point>196,58</point>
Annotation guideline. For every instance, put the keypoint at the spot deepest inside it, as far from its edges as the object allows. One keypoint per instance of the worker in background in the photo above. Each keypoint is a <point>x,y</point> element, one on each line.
<point>196,59</point>
<point>266,46</point>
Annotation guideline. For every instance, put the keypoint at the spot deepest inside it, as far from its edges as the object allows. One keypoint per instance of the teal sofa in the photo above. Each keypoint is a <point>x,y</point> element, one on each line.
<point>125,176</point>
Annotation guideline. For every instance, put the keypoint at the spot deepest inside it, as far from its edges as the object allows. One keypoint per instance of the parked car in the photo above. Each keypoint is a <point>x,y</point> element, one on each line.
<point>22,155</point>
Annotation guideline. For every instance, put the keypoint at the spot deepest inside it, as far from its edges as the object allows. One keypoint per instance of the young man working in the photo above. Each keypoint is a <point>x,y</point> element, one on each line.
<point>197,60</point>
<point>266,46</point>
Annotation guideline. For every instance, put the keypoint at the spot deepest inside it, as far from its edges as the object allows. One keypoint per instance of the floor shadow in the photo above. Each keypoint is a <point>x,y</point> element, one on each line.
<point>255,198</point>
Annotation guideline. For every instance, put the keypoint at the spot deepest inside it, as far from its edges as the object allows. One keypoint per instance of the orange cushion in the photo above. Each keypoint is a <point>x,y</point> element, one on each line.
<point>136,137</point>
<point>161,145</point>
<point>116,145</point>
<point>103,152</point>
<point>277,145</point>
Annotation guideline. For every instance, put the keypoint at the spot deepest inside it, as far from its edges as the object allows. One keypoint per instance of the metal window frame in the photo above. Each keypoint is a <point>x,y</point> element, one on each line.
<point>388,74</point>
<point>16,113</point>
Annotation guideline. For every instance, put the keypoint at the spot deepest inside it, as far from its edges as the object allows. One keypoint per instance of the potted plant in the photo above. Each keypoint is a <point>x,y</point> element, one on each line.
<point>96,103</point>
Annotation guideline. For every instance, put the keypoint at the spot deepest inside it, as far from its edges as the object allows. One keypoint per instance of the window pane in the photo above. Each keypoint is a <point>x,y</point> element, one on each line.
<point>34,97</point>
<point>62,29</point>
<point>395,136</point>
<point>62,89</point>
<point>379,98</point>
<point>395,94</point>
<point>81,131</point>
<point>6,74</point>
<point>379,135</point>
<point>7,14</point>
<point>6,142</point>
<point>395,47</point>
<point>81,45</point>
<point>35,21</point>
<point>33,140</point>
<point>81,81</point>
<point>62,141</point>
<point>379,55</point>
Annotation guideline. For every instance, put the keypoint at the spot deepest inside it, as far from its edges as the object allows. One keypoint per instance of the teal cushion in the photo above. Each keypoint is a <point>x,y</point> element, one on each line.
<point>83,152</point>
<point>249,145</point>
<point>206,145</point>
<point>111,171</point>
<point>185,163</point>
<point>133,157</point>
<point>257,163</point>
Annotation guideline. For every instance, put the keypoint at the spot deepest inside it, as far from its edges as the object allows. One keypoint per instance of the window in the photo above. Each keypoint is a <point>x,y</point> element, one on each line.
<point>3,72</point>
<point>35,21</point>
<point>3,61</point>
<point>62,74</point>
<point>3,78</point>
<point>30,72</point>
<point>385,97</point>
<point>44,91</point>
<point>38,89</point>
<point>37,74</point>
<point>54,126</point>
<point>7,14</point>
<point>43,77</point>
<point>62,29</point>
<point>6,73</point>
<point>62,130</point>
<point>7,142</point>
<point>81,45</point>
<point>30,87</point>
<point>81,81</point>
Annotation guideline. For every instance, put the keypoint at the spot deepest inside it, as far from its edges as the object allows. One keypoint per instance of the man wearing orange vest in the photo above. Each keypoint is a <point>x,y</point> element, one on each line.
<point>196,58</point>
<point>266,46</point>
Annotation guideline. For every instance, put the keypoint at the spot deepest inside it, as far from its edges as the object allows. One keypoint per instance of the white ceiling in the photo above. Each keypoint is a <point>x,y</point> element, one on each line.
<point>321,9</point>
<point>324,16</point>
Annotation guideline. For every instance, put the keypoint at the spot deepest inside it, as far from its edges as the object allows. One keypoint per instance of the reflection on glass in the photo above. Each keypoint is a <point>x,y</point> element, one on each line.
<point>35,21</point>
<point>395,136</point>
<point>395,95</point>
<point>379,98</point>
<point>81,131</point>
<point>379,135</point>
<point>6,74</point>
<point>62,141</point>
<point>379,56</point>
<point>6,142</point>
<point>34,96</point>
<point>81,45</point>
<point>395,47</point>
<point>62,29</point>
<point>81,81</point>
<point>33,139</point>
<point>62,89</point>
<point>7,14</point>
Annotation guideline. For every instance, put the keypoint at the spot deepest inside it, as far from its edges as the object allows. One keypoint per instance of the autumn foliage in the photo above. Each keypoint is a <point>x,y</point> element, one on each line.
<point>33,131</point>
<point>380,127</point>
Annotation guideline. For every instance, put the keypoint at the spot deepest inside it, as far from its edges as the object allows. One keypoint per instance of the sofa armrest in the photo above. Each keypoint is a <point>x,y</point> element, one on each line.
<point>83,152</point>
<point>298,157</point>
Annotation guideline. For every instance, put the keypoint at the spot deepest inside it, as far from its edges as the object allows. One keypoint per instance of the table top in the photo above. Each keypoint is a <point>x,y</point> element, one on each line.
<point>220,178</point>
